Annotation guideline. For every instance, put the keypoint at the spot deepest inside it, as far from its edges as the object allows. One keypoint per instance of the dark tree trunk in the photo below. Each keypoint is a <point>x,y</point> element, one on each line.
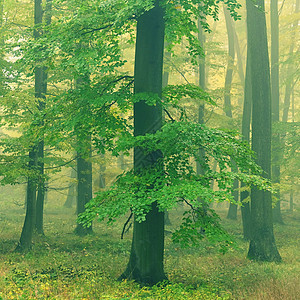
<point>25,242</point>
<point>36,153</point>
<point>84,154</point>
<point>230,64</point>
<point>232,211</point>
<point>84,189</point>
<point>39,225</point>
<point>146,258</point>
<point>40,93</point>
<point>72,191</point>
<point>262,242</point>
<point>277,218</point>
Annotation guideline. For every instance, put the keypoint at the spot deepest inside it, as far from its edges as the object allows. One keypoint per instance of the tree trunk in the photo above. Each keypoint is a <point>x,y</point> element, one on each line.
<point>40,92</point>
<point>246,122</point>
<point>84,189</point>
<point>84,154</point>
<point>39,224</point>
<point>277,218</point>
<point>289,81</point>
<point>232,211</point>
<point>239,56</point>
<point>72,192</point>
<point>201,80</point>
<point>35,154</point>
<point>202,85</point>
<point>25,242</point>
<point>146,258</point>
<point>262,243</point>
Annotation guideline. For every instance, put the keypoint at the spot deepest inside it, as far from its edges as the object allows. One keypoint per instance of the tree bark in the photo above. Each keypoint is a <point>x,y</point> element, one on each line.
<point>262,242</point>
<point>232,211</point>
<point>36,153</point>
<point>239,56</point>
<point>277,218</point>
<point>72,191</point>
<point>39,224</point>
<point>289,81</point>
<point>246,122</point>
<point>146,258</point>
<point>40,93</point>
<point>84,188</point>
<point>202,85</point>
<point>25,242</point>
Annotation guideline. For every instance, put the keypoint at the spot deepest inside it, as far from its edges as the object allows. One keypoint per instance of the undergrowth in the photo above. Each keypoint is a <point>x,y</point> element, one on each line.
<point>64,266</point>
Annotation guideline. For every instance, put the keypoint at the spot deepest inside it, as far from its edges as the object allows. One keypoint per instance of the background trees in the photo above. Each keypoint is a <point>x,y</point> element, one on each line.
<point>262,242</point>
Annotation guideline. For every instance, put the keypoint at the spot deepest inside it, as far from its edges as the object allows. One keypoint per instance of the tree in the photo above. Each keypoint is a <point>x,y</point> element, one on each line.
<point>35,153</point>
<point>262,241</point>
<point>275,103</point>
<point>289,82</point>
<point>84,188</point>
<point>146,257</point>
<point>246,123</point>
<point>163,174</point>
<point>84,154</point>
<point>232,211</point>
<point>40,93</point>
<point>72,190</point>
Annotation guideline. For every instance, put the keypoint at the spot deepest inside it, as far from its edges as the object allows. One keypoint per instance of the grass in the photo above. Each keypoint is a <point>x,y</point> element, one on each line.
<point>64,266</point>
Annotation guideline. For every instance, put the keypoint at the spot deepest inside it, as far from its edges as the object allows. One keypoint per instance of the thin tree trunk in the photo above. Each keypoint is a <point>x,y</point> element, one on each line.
<point>246,122</point>
<point>262,242</point>
<point>39,225</point>
<point>202,84</point>
<point>207,56</point>
<point>72,191</point>
<point>277,218</point>
<point>239,56</point>
<point>232,211</point>
<point>35,162</point>
<point>25,242</point>
<point>146,257</point>
<point>289,80</point>
<point>84,188</point>
<point>40,93</point>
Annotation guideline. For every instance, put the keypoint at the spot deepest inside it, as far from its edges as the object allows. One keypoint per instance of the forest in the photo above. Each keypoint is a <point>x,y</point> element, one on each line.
<point>149,149</point>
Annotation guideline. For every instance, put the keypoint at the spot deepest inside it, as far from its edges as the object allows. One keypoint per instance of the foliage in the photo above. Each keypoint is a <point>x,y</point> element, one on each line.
<point>173,178</point>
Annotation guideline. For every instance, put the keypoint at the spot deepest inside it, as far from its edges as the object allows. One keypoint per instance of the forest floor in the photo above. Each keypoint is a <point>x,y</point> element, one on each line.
<point>64,266</point>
